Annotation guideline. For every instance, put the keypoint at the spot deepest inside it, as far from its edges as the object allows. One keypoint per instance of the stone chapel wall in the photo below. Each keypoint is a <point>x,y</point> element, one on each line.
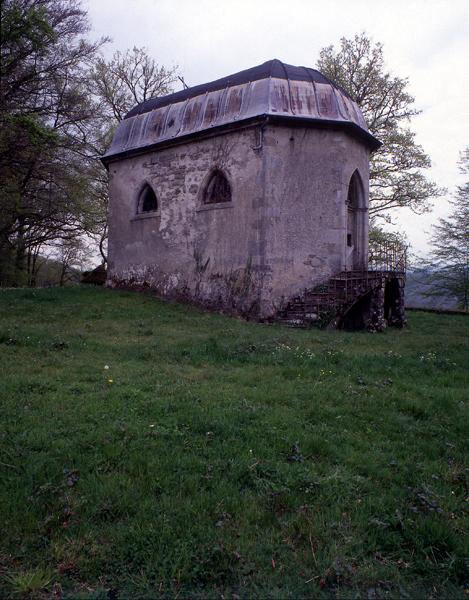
<point>189,250</point>
<point>283,231</point>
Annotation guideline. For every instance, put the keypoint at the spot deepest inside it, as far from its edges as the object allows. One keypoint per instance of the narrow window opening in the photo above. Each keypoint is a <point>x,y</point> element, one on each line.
<point>218,189</point>
<point>354,226</point>
<point>352,196</point>
<point>147,201</point>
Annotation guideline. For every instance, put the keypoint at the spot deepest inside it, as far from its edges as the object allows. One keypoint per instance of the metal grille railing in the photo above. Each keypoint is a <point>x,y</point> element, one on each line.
<point>387,256</point>
<point>336,295</point>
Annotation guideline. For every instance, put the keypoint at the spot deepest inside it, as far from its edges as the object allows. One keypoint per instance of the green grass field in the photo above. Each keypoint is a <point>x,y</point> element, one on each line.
<point>152,450</point>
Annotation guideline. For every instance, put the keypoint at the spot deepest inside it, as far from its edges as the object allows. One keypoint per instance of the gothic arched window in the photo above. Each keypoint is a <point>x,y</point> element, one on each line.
<point>353,204</point>
<point>147,201</point>
<point>218,189</point>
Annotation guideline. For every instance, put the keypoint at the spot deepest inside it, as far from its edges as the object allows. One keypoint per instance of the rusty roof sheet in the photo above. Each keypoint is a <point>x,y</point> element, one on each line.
<point>272,90</point>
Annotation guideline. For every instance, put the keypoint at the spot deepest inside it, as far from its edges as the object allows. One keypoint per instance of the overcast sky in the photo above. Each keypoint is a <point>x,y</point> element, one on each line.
<point>424,40</point>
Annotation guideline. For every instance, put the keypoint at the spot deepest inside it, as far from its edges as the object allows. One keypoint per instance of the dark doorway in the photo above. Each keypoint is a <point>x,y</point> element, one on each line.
<point>353,232</point>
<point>393,302</point>
<point>357,316</point>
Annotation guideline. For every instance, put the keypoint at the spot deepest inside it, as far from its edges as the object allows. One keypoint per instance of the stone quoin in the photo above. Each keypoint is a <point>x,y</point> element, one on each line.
<point>249,195</point>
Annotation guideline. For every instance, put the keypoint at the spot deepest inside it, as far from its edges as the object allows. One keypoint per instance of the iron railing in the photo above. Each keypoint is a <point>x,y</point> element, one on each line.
<point>339,292</point>
<point>387,256</point>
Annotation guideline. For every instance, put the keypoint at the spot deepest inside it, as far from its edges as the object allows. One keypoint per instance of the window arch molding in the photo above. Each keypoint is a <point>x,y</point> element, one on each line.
<point>216,190</point>
<point>147,203</point>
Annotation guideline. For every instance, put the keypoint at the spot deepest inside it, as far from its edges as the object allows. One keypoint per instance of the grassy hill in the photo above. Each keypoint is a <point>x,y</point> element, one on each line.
<point>152,450</point>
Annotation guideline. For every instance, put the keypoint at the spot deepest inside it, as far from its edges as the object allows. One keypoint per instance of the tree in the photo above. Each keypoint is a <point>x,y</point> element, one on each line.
<point>59,104</point>
<point>449,261</point>
<point>71,256</point>
<point>128,79</point>
<point>117,85</point>
<point>387,249</point>
<point>45,119</point>
<point>397,177</point>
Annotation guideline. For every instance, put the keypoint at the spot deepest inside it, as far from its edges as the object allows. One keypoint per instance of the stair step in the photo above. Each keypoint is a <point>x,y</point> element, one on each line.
<point>330,299</point>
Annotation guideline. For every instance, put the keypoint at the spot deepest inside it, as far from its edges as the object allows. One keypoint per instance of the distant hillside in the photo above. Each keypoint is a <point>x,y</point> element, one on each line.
<point>417,284</point>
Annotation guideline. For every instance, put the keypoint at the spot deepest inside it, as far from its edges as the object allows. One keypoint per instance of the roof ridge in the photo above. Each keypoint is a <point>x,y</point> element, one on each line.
<point>270,68</point>
<point>275,60</point>
<point>271,90</point>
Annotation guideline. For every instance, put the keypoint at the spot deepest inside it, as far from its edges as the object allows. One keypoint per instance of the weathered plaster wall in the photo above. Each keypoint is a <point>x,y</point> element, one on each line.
<point>284,231</point>
<point>189,250</point>
<point>308,172</point>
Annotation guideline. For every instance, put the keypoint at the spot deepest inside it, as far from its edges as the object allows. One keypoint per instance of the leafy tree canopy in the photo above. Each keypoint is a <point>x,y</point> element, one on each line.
<point>397,170</point>
<point>46,117</point>
<point>127,79</point>
<point>117,85</point>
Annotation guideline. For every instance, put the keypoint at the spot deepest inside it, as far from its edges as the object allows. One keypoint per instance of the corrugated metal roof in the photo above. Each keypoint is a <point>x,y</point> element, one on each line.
<point>271,90</point>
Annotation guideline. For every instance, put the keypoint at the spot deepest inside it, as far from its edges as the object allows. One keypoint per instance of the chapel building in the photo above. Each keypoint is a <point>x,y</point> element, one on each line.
<point>249,195</point>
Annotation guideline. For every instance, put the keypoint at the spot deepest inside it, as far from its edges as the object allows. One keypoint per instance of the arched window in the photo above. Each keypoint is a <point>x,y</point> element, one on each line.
<point>356,224</point>
<point>218,189</point>
<point>147,201</point>
<point>353,191</point>
<point>352,205</point>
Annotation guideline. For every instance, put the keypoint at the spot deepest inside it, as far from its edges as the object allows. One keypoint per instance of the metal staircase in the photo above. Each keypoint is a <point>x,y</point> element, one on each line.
<point>328,304</point>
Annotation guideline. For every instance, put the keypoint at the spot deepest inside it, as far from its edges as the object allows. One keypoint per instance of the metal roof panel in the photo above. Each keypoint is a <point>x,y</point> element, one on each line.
<point>271,89</point>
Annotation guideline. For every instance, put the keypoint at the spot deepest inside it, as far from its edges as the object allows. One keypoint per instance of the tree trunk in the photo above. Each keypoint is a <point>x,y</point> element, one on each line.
<point>19,275</point>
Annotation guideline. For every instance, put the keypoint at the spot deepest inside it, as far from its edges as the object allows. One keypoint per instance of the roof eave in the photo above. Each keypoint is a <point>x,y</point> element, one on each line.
<point>348,126</point>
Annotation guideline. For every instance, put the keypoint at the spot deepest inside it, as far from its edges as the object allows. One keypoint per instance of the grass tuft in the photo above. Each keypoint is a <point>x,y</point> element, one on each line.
<point>28,583</point>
